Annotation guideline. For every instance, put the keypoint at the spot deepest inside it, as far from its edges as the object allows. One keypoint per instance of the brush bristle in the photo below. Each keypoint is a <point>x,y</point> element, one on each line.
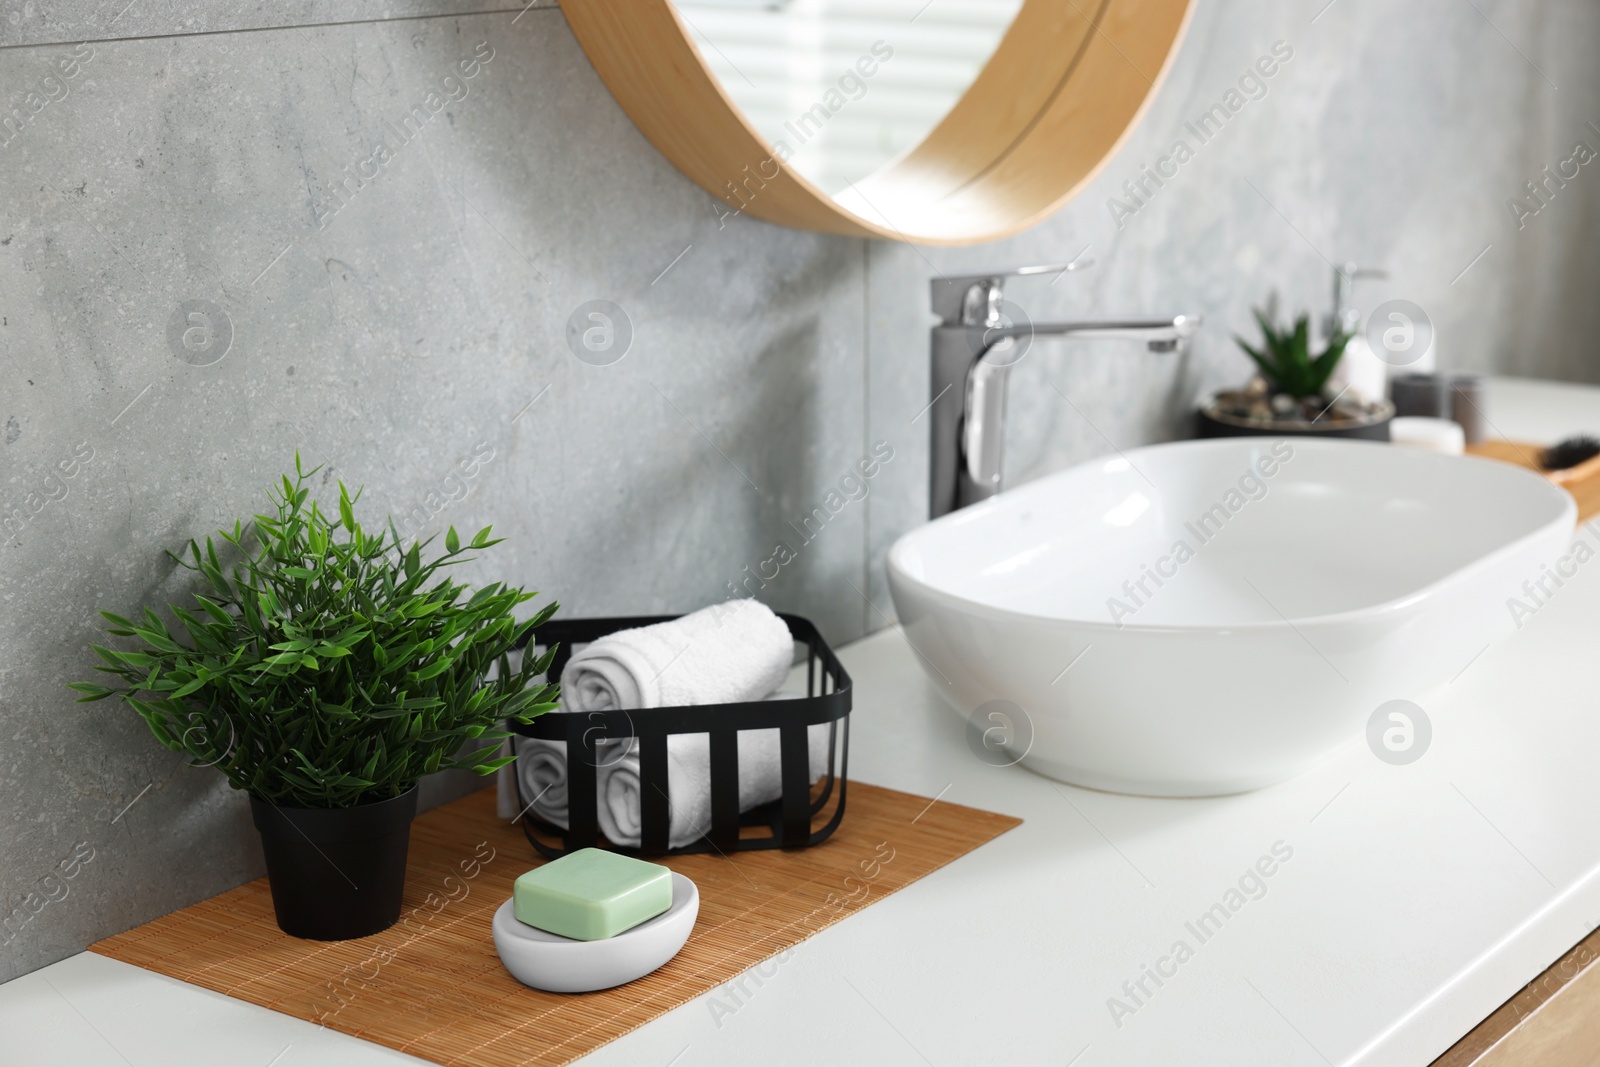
<point>1570,453</point>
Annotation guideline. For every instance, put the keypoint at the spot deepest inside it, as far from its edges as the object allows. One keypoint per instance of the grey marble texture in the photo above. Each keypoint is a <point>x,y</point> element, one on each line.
<point>34,22</point>
<point>425,321</point>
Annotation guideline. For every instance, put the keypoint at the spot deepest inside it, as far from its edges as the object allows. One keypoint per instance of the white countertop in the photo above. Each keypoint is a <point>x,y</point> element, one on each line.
<point>1416,900</point>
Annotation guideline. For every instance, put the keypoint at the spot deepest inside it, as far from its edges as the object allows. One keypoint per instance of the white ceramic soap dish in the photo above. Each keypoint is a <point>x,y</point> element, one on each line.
<point>559,964</point>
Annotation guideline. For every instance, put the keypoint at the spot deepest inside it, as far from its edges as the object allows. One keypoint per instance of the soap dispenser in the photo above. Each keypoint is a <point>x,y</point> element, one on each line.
<point>1361,370</point>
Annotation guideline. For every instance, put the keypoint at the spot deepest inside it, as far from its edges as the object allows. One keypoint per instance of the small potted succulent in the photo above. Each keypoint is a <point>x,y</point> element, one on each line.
<point>1291,394</point>
<point>324,673</point>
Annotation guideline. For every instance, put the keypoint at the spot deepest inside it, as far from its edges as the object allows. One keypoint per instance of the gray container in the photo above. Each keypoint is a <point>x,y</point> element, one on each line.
<point>1466,405</point>
<point>1419,394</point>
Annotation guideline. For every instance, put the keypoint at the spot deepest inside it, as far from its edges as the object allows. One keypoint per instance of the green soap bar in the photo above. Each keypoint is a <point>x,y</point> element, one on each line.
<point>592,894</point>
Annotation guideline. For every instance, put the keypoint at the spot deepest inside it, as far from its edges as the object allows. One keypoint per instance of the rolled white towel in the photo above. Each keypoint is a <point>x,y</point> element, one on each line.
<point>731,652</point>
<point>689,783</point>
<point>541,770</point>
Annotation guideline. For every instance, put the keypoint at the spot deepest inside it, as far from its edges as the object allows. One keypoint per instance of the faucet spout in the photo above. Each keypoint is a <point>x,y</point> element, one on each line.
<point>974,361</point>
<point>1167,331</point>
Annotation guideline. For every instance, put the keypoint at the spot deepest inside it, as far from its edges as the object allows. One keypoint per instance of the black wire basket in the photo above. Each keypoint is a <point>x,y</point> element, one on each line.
<point>804,815</point>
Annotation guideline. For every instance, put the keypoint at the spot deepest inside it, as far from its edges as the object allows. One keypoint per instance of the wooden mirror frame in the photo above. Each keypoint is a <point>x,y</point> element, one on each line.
<point>1065,86</point>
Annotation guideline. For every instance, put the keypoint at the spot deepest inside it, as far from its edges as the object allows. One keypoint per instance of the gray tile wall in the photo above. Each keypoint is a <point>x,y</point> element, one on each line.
<point>188,152</point>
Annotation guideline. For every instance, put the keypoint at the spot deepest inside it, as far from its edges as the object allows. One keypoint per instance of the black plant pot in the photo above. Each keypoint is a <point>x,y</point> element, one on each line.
<point>1212,422</point>
<point>336,873</point>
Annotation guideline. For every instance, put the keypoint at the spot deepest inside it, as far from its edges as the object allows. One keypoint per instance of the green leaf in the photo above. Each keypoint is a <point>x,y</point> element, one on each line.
<point>452,543</point>
<point>494,765</point>
<point>433,670</point>
<point>188,687</point>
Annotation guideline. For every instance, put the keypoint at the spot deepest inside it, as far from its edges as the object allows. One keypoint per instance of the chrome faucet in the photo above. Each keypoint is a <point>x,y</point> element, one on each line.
<point>974,348</point>
<point>1346,317</point>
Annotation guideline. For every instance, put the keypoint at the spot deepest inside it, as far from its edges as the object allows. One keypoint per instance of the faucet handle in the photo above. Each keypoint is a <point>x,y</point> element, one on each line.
<point>974,299</point>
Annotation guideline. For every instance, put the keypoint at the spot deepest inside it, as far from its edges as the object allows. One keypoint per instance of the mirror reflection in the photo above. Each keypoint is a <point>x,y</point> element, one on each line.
<point>839,88</point>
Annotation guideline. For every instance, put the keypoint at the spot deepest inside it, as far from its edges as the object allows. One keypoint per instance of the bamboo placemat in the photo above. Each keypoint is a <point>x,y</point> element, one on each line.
<point>434,987</point>
<point>1582,481</point>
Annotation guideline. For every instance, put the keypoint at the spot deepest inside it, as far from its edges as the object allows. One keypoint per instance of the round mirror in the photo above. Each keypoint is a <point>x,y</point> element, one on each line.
<point>934,121</point>
<point>843,88</point>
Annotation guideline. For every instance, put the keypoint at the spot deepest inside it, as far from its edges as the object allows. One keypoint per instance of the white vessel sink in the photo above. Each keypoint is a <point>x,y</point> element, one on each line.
<point>1329,578</point>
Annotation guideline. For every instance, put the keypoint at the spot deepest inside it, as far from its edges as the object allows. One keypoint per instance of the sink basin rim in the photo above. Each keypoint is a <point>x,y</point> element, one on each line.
<point>1393,606</point>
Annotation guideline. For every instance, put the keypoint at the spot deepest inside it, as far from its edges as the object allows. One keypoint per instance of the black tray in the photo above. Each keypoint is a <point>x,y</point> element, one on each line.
<point>798,819</point>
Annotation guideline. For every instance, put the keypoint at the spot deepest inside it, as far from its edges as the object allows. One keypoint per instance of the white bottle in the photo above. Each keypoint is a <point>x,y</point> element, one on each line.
<point>1363,373</point>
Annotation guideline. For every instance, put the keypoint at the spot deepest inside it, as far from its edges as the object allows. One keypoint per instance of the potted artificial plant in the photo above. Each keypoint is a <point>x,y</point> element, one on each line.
<point>1291,394</point>
<point>324,674</point>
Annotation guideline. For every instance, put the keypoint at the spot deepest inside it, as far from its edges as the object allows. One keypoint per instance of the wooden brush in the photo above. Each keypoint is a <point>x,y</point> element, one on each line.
<point>1564,455</point>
